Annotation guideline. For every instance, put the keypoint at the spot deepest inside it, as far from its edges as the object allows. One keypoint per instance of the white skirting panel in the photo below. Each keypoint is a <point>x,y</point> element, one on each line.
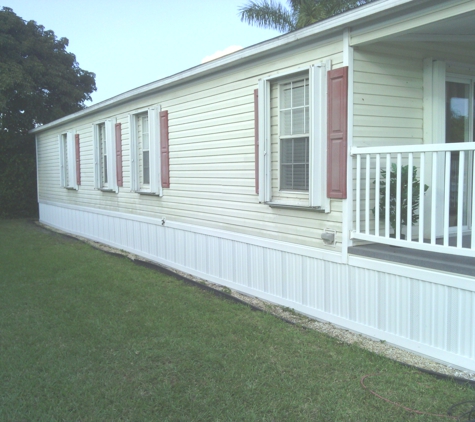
<point>415,309</point>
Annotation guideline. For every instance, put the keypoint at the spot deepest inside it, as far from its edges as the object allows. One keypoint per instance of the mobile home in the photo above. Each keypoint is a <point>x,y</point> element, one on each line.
<point>329,170</point>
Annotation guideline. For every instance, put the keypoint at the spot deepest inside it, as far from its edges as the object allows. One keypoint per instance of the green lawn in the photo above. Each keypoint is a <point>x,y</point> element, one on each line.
<point>88,336</point>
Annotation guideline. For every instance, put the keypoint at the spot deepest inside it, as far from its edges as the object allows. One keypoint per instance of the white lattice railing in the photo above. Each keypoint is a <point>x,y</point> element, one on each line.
<point>442,219</point>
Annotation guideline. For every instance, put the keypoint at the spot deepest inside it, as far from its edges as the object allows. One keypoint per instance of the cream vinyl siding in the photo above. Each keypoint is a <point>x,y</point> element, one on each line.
<point>388,89</point>
<point>388,99</point>
<point>388,104</point>
<point>211,132</point>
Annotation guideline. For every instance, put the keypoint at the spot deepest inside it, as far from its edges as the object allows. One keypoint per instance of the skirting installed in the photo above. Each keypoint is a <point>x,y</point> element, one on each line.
<point>428,318</point>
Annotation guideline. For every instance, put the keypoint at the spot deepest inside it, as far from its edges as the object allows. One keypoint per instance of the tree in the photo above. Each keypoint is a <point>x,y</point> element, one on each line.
<point>39,82</point>
<point>298,14</point>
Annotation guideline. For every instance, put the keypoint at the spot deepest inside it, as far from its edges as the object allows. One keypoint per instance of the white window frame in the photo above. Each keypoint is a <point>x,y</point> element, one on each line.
<point>317,74</point>
<point>294,136</point>
<point>155,186</point>
<point>111,185</point>
<point>67,160</point>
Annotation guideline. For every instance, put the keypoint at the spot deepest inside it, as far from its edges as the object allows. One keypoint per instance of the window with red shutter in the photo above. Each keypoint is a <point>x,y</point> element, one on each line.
<point>292,138</point>
<point>145,151</point>
<point>105,156</point>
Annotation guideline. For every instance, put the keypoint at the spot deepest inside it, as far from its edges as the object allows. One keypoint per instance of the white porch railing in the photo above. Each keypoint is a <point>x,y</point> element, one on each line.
<point>439,219</point>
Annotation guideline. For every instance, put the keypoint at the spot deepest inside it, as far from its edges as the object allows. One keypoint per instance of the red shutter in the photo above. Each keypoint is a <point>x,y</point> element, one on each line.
<point>256,138</point>
<point>337,132</point>
<point>164,151</point>
<point>118,152</point>
<point>78,159</point>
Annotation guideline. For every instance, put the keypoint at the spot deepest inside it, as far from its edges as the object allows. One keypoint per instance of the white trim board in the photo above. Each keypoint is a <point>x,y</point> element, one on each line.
<point>245,238</point>
<point>428,275</point>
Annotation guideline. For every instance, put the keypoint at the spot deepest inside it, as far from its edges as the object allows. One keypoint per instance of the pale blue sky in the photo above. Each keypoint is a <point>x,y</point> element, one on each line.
<point>131,43</point>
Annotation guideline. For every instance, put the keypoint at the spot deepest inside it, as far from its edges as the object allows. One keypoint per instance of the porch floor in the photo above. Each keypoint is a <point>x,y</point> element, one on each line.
<point>433,260</point>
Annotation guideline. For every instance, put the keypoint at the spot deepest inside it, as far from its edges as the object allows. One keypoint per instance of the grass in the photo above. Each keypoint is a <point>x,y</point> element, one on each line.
<point>87,336</point>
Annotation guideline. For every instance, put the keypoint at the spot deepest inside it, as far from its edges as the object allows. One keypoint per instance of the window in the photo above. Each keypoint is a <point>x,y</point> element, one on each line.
<point>105,177</point>
<point>294,164</point>
<point>67,153</point>
<point>144,148</point>
<point>101,129</point>
<point>145,152</point>
<point>64,159</point>
<point>292,145</point>
<point>294,135</point>
<point>459,127</point>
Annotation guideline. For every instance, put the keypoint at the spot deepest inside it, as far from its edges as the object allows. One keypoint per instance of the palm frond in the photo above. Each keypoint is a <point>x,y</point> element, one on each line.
<point>300,13</point>
<point>268,14</point>
<point>335,7</point>
<point>311,11</point>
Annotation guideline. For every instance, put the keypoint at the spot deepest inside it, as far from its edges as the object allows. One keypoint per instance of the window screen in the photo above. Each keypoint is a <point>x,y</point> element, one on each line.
<point>294,135</point>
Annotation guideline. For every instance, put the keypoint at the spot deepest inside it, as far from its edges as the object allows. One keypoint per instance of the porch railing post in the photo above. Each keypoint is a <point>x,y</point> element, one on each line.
<point>433,208</point>
<point>409,197</point>
<point>367,192</point>
<point>398,197</point>
<point>473,205</point>
<point>358,194</point>
<point>422,174</point>
<point>447,198</point>
<point>377,196</point>
<point>461,190</point>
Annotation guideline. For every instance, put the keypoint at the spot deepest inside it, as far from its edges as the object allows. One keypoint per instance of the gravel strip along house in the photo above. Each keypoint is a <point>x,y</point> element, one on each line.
<point>328,170</point>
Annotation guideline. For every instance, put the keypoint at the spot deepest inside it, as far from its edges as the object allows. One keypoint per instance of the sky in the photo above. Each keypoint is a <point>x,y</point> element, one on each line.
<point>129,43</point>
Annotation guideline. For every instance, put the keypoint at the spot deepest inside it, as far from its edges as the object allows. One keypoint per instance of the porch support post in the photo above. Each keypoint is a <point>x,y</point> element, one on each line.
<point>434,133</point>
<point>347,214</point>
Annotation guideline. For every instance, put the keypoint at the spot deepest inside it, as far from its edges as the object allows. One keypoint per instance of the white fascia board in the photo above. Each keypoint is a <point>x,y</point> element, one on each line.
<point>467,38</point>
<point>398,25</point>
<point>327,26</point>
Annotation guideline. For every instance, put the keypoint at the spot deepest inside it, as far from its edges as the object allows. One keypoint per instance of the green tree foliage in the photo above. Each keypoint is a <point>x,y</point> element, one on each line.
<point>298,14</point>
<point>39,82</point>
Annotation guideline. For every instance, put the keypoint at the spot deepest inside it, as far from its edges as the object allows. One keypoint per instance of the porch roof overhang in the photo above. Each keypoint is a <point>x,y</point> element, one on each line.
<point>437,21</point>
